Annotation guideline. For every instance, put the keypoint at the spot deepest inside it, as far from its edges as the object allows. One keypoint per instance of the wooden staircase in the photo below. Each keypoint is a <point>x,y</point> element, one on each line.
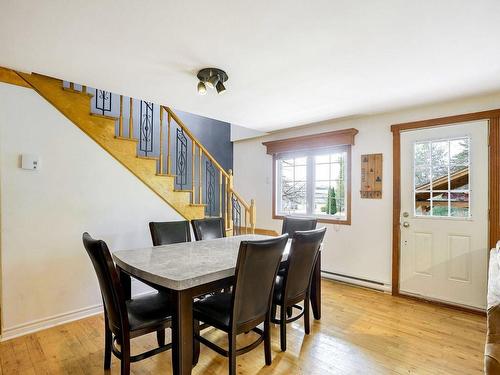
<point>75,105</point>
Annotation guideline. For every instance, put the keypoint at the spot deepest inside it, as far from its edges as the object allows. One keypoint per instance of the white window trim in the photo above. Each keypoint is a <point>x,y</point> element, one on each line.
<point>310,179</point>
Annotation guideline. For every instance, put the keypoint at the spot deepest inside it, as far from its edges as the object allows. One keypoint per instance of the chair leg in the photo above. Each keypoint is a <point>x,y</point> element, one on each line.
<point>267,342</point>
<point>108,340</point>
<point>273,311</point>
<point>160,337</point>
<point>289,312</point>
<point>232,353</point>
<point>307,327</point>
<point>125,362</point>
<point>196,343</point>
<point>283,328</point>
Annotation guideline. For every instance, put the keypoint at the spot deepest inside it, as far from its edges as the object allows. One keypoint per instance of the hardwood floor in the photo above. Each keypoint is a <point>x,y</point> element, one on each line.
<point>361,332</point>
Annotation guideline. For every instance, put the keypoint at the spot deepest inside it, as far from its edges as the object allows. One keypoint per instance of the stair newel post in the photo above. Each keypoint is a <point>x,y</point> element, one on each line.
<point>160,160</point>
<point>169,160</point>
<point>193,156</point>
<point>200,187</point>
<point>131,119</point>
<point>253,215</point>
<point>229,207</point>
<point>120,126</point>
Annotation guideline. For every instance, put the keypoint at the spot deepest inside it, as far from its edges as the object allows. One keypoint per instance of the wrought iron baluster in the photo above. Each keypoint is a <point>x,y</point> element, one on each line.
<point>236,215</point>
<point>146,127</point>
<point>181,158</point>
<point>210,189</point>
<point>103,100</point>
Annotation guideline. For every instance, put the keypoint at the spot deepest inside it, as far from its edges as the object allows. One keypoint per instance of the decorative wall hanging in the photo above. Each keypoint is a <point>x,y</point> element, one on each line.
<point>371,176</point>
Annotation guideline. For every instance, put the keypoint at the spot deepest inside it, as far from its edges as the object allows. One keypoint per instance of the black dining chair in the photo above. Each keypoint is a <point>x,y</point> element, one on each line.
<point>294,285</point>
<point>126,319</point>
<point>291,224</point>
<point>249,303</point>
<point>207,229</point>
<point>170,232</point>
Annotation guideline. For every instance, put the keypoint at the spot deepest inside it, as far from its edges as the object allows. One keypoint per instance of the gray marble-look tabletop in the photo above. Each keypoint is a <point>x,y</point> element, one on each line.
<point>188,264</point>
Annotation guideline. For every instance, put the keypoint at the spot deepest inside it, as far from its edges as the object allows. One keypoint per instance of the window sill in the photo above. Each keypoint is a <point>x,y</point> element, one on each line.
<point>320,219</point>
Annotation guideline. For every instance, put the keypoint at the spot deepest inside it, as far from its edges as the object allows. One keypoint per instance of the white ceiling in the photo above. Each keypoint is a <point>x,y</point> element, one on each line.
<point>289,62</point>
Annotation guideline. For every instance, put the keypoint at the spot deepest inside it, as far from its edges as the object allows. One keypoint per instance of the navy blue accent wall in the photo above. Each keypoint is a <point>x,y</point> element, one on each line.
<point>213,134</point>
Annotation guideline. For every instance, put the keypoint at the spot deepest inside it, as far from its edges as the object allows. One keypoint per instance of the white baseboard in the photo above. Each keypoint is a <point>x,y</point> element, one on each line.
<point>52,321</point>
<point>55,320</point>
<point>357,281</point>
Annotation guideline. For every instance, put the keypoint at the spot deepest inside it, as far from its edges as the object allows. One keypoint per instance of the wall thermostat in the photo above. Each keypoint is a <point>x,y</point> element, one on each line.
<point>29,161</point>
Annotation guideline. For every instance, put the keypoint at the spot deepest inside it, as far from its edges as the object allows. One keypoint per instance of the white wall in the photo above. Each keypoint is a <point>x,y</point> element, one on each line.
<point>46,274</point>
<point>363,249</point>
<point>240,132</point>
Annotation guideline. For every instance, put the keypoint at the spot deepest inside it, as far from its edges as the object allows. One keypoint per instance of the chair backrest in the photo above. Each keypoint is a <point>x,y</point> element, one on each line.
<point>109,282</point>
<point>301,261</point>
<point>293,224</point>
<point>168,232</point>
<point>255,275</point>
<point>207,229</point>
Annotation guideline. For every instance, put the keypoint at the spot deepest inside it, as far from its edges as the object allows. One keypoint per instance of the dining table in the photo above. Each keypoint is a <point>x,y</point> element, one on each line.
<point>188,270</point>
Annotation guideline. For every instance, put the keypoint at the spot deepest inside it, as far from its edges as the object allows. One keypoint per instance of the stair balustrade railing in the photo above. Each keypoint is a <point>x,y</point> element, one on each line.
<point>163,136</point>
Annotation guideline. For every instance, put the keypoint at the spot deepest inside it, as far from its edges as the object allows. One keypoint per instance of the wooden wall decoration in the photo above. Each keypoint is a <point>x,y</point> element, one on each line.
<point>371,176</point>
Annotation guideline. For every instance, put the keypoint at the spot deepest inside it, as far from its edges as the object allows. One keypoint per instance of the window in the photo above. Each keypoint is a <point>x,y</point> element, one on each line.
<point>312,176</point>
<point>441,178</point>
<point>313,183</point>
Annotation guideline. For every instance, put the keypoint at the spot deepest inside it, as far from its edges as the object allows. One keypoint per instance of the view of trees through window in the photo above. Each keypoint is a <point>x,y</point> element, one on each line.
<point>314,184</point>
<point>441,178</point>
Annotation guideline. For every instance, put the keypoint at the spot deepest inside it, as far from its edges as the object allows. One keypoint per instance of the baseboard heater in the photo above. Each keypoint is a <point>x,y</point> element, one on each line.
<point>356,280</point>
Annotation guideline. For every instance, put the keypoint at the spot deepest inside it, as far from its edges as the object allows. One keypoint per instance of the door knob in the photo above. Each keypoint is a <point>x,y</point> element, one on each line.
<point>406,224</point>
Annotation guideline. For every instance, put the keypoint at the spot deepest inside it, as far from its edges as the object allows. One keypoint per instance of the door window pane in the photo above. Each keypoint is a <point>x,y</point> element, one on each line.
<point>459,151</point>
<point>459,205</point>
<point>423,204</point>
<point>441,177</point>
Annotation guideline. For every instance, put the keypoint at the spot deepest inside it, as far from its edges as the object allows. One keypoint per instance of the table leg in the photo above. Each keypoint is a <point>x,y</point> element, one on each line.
<point>126,283</point>
<point>316,289</point>
<point>182,332</point>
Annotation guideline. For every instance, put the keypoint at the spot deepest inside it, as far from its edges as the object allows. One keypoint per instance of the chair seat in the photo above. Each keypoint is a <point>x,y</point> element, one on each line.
<point>151,310</point>
<point>214,310</point>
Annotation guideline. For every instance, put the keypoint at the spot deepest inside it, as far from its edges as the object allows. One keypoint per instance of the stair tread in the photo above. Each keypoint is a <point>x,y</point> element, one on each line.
<point>104,116</point>
<point>73,91</point>
<point>147,157</point>
<point>127,139</point>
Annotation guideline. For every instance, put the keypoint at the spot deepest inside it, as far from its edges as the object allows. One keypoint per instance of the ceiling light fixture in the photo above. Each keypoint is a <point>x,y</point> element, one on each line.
<point>202,89</point>
<point>220,87</point>
<point>212,78</point>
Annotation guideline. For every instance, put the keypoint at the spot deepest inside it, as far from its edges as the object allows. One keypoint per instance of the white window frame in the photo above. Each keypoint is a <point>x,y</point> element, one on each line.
<point>310,182</point>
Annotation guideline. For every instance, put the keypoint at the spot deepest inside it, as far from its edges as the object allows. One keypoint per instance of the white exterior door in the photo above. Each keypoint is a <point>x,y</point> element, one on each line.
<point>444,213</point>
